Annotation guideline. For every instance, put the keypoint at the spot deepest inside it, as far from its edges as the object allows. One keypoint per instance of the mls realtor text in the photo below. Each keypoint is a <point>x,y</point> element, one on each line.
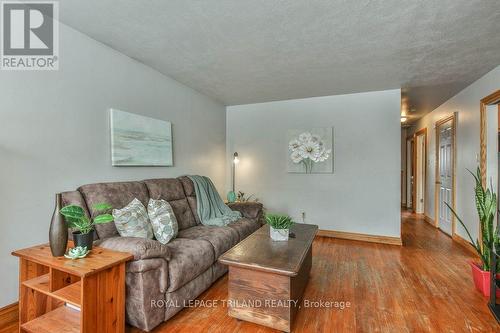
<point>29,62</point>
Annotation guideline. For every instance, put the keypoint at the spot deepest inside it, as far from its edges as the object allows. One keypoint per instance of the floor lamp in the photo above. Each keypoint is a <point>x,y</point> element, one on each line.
<point>231,196</point>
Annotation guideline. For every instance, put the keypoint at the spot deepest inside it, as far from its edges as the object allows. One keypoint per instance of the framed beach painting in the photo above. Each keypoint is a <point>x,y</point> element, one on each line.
<point>310,150</point>
<point>140,141</point>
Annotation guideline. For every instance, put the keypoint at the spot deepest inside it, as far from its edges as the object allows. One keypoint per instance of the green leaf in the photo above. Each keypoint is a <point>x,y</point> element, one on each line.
<point>279,221</point>
<point>462,223</point>
<point>104,218</point>
<point>72,223</point>
<point>102,206</point>
<point>72,212</point>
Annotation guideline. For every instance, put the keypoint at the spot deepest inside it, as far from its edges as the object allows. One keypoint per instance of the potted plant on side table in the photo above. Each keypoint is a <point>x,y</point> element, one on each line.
<point>486,204</point>
<point>279,226</point>
<point>75,217</point>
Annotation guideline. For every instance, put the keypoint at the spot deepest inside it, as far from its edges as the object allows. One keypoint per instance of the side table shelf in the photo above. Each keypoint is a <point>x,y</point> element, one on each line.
<point>71,296</point>
<point>62,319</point>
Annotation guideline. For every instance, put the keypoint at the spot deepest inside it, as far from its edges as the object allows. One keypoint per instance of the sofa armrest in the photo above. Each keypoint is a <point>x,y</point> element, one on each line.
<point>141,248</point>
<point>156,267</point>
<point>250,210</point>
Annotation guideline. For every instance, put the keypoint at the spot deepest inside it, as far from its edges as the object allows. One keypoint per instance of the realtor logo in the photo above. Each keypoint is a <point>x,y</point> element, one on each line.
<point>29,35</point>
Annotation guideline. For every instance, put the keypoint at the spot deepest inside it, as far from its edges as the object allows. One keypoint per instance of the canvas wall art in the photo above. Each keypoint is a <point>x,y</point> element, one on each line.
<point>140,141</point>
<point>310,150</point>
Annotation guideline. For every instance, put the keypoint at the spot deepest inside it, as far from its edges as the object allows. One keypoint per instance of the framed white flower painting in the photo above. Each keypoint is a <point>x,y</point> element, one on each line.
<point>310,150</point>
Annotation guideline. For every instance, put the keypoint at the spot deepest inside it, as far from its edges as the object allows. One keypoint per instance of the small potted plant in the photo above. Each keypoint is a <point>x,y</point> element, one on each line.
<point>75,217</point>
<point>279,226</point>
<point>486,203</point>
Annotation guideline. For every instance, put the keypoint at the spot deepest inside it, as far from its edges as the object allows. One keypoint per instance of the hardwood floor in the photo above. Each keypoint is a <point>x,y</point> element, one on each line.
<point>424,286</point>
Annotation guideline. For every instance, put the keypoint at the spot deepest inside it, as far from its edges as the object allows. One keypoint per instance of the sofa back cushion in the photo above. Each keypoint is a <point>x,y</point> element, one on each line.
<point>190,192</point>
<point>172,191</point>
<point>118,195</point>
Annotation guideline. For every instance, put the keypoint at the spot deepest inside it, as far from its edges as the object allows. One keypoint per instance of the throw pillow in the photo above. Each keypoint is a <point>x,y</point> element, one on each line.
<point>163,220</point>
<point>132,220</point>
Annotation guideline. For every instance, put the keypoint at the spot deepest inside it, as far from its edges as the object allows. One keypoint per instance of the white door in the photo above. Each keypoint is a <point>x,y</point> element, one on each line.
<point>445,176</point>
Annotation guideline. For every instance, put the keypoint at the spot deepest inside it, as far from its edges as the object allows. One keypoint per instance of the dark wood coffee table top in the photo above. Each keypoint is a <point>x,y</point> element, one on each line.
<point>258,251</point>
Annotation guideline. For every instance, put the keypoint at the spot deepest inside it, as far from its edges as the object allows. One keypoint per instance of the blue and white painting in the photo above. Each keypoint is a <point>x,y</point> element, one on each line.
<point>140,141</point>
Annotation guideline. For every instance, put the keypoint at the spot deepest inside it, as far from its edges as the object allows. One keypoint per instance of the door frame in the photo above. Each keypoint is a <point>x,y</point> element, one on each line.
<point>492,99</point>
<point>453,119</point>
<point>410,200</point>
<point>423,132</point>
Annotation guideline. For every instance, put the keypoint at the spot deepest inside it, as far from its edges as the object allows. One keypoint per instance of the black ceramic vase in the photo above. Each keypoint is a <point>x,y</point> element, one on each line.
<point>83,240</point>
<point>58,232</point>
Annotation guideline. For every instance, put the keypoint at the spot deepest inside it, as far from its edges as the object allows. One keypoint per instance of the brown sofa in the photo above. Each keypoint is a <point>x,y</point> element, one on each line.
<point>162,278</point>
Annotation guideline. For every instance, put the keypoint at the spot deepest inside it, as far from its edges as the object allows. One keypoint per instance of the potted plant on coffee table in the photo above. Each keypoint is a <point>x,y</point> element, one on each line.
<point>75,218</point>
<point>279,226</point>
<point>486,204</point>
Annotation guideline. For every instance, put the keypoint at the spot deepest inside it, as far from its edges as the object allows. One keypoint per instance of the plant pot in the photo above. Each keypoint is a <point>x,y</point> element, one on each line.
<point>279,234</point>
<point>83,239</point>
<point>482,279</point>
<point>231,196</point>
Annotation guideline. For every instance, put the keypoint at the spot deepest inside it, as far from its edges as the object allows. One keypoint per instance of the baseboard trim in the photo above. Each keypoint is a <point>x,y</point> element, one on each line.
<point>467,245</point>
<point>360,237</point>
<point>430,221</point>
<point>9,315</point>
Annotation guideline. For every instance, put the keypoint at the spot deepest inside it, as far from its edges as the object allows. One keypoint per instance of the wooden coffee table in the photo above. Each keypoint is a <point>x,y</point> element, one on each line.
<point>267,278</point>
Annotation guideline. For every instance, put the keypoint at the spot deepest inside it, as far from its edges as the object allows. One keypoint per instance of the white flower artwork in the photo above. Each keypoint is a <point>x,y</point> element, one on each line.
<point>310,151</point>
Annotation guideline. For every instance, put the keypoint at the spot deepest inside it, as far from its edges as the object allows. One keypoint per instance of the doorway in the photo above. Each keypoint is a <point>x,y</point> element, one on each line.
<point>444,191</point>
<point>420,151</point>
<point>416,170</point>
<point>489,108</point>
<point>409,173</point>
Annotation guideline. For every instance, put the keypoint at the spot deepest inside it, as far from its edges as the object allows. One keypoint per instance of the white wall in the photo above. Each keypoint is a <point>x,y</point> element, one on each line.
<point>55,136</point>
<point>466,103</point>
<point>363,193</point>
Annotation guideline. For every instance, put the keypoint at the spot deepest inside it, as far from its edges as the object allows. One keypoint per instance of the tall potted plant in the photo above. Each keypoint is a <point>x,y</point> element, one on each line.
<point>75,218</point>
<point>486,205</point>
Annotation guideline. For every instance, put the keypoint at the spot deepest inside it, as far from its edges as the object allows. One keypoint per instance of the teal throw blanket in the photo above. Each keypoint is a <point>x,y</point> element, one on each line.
<point>210,207</point>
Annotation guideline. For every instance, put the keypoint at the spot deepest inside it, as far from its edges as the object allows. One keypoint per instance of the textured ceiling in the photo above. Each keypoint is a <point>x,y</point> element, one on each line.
<point>248,51</point>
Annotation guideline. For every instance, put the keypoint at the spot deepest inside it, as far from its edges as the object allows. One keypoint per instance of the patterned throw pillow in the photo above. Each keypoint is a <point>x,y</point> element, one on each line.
<point>132,220</point>
<point>163,220</point>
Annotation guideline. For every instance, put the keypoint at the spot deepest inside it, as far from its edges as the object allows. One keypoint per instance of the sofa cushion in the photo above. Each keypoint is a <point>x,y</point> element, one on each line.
<point>244,227</point>
<point>132,221</point>
<point>188,259</point>
<point>118,195</point>
<point>190,193</point>
<point>140,248</point>
<point>163,221</point>
<point>221,238</point>
<point>250,210</point>
<point>171,190</point>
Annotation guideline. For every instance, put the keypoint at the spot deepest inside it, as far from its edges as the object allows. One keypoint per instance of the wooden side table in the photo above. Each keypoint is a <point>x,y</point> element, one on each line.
<point>63,295</point>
